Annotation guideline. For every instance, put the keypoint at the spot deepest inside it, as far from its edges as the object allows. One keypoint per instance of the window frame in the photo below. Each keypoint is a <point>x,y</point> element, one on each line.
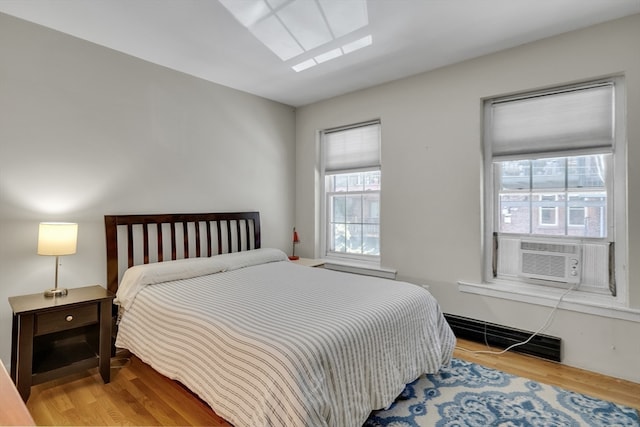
<point>616,195</point>
<point>325,206</point>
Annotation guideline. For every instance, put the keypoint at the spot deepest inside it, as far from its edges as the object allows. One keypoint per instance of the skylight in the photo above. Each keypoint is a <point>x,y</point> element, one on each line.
<point>290,28</point>
<point>335,53</point>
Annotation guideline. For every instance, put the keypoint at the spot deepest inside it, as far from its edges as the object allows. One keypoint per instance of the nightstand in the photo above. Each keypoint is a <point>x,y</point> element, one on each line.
<point>54,337</point>
<point>309,262</point>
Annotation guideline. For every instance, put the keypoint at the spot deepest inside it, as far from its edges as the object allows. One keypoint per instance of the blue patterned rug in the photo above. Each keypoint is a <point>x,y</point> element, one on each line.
<point>467,394</point>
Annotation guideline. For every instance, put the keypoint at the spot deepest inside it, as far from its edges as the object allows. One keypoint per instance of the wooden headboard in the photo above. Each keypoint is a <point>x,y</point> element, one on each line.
<point>142,239</point>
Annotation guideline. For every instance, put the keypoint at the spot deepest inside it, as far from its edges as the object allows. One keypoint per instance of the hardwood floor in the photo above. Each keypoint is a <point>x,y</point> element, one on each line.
<point>578,380</point>
<point>137,395</point>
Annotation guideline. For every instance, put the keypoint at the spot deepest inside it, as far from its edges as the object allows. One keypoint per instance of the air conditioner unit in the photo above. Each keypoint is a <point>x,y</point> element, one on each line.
<point>545,260</point>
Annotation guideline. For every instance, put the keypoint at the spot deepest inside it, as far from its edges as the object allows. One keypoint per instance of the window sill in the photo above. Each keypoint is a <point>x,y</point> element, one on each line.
<point>364,268</point>
<point>599,305</point>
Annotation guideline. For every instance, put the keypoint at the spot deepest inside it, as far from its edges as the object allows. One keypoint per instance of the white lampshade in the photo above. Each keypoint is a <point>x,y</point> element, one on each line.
<point>57,238</point>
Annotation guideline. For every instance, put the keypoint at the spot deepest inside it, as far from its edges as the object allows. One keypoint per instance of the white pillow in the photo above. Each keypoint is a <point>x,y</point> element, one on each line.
<point>238,260</point>
<point>138,277</point>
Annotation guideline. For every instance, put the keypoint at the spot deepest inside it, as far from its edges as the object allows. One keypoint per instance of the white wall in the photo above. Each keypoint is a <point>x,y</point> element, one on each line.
<point>432,171</point>
<point>86,131</point>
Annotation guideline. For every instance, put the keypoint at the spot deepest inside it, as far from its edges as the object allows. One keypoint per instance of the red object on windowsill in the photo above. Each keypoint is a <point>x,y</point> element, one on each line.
<point>296,240</point>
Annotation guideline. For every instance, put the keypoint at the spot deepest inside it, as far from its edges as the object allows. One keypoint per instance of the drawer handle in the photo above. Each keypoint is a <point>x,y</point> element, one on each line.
<point>69,318</point>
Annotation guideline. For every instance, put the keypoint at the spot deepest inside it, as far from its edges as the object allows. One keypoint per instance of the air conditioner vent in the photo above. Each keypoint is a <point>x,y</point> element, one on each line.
<point>545,265</point>
<point>559,262</point>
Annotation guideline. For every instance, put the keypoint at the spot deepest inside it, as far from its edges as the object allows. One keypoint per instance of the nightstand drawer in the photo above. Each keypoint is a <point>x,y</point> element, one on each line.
<point>66,318</point>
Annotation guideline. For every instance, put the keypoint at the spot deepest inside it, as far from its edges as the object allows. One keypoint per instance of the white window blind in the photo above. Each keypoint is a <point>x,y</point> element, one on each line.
<point>571,119</point>
<point>353,148</point>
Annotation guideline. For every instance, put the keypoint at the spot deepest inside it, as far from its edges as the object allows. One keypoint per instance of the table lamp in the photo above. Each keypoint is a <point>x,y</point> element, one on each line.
<point>296,240</point>
<point>57,238</point>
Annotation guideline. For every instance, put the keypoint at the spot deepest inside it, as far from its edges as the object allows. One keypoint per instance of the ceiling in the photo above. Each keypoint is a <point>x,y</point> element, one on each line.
<point>204,39</point>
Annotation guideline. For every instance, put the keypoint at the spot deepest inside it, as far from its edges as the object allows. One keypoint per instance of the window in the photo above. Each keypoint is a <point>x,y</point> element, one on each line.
<point>570,195</point>
<point>550,178</point>
<point>352,180</point>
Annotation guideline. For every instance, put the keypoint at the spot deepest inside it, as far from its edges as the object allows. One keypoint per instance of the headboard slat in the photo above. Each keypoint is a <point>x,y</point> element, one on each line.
<point>247,230</point>
<point>173,241</point>
<point>197,240</point>
<point>138,241</point>
<point>238,228</point>
<point>129,245</point>
<point>209,237</point>
<point>185,238</point>
<point>219,237</point>
<point>160,247</point>
<point>145,243</point>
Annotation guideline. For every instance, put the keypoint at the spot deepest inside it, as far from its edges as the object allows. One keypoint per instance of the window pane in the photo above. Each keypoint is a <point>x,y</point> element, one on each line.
<point>371,243</point>
<point>354,209</point>
<point>338,238</point>
<point>548,214</point>
<point>515,175</point>
<point>371,208</point>
<point>588,214</point>
<point>586,171</point>
<point>576,217</point>
<point>356,182</point>
<point>339,183</point>
<point>339,206</point>
<point>515,215</point>
<point>354,238</point>
<point>548,173</point>
<point>372,181</point>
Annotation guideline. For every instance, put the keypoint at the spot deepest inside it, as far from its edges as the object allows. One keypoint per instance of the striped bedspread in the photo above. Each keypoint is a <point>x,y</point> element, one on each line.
<point>278,344</point>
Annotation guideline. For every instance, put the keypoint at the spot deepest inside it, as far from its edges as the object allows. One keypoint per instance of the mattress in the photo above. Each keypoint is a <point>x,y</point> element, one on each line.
<point>267,342</point>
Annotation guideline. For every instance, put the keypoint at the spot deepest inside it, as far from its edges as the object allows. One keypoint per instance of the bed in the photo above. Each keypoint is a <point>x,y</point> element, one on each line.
<point>262,340</point>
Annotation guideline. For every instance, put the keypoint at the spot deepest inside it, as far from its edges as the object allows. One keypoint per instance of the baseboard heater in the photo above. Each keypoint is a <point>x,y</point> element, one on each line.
<point>543,346</point>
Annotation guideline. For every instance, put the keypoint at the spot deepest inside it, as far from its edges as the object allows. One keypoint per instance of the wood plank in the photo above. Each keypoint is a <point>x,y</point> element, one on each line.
<point>138,395</point>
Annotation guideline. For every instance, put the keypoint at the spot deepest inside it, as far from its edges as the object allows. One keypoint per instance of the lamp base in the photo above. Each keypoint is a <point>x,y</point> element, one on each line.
<point>293,257</point>
<point>56,292</point>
